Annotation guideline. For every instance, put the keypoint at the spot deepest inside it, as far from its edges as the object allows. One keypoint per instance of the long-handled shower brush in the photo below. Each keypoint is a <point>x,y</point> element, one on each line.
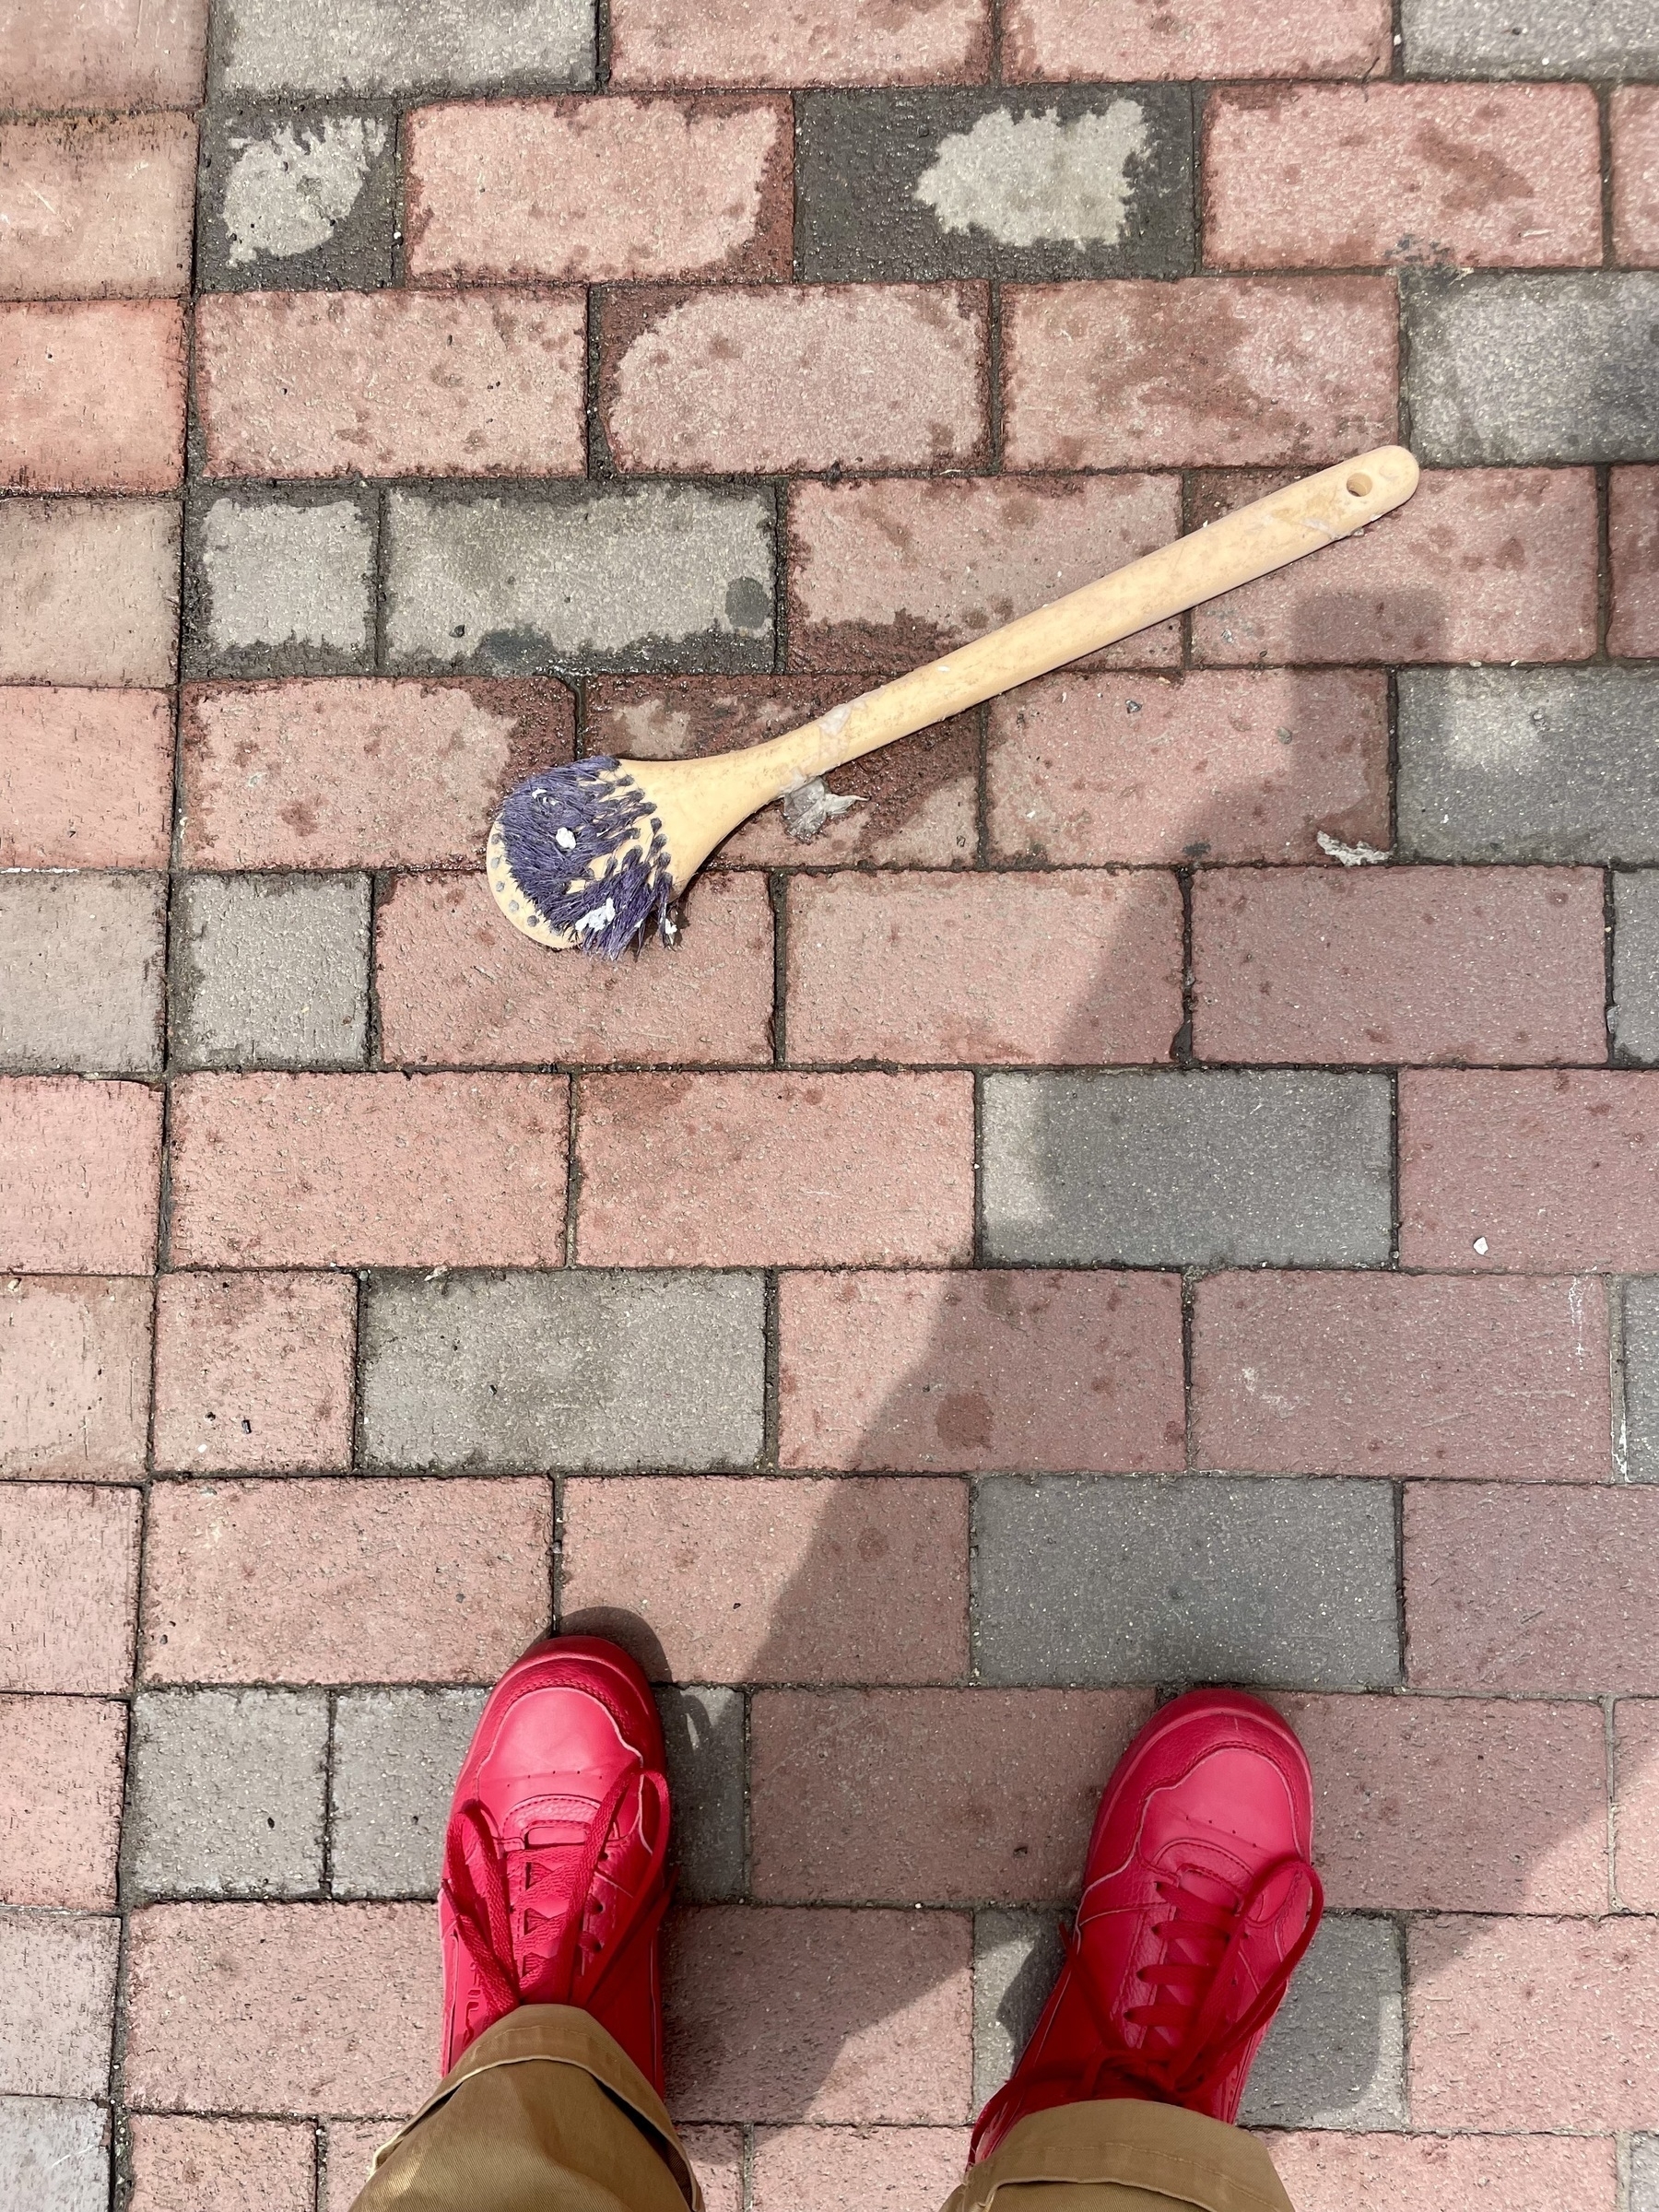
<point>589,855</point>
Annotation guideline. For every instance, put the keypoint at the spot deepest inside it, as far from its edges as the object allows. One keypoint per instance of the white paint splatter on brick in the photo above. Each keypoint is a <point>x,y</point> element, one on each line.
<point>290,192</point>
<point>1038,180</point>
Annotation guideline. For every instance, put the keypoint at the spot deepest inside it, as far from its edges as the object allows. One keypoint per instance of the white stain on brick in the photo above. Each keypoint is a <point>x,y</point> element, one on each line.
<point>290,192</point>
<point>1038,181</point>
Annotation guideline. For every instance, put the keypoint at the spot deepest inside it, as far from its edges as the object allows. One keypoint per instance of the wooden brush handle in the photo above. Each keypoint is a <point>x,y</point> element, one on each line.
<point>1252,542</point>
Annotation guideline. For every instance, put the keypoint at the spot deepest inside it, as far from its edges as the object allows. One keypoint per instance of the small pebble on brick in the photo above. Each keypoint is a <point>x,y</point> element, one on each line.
<point>301,199</point>
<point>586,1370</point>
<point>54,2154</point>
<point>227,1793</point>
<point>399,46</point>
<point>606,576</point>
<point>1533,368</point>
<point>1180,1168</point>
<point>1545,764</point>
<point>396,1753</point>
<point>269,971</point>
<point>84,954</point>
<point>281,586</point>
<point>1083,181</point>
<point>1336,2055</point>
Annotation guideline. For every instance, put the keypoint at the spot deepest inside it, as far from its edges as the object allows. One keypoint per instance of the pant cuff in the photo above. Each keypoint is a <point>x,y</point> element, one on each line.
<point>1162,2148</point>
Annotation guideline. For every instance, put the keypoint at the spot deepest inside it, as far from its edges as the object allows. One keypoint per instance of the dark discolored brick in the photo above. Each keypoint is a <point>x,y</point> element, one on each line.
<point>300,199</point>
<point>577,1371</point>
<point>1545,368</point>
<point>1546,764</point>
<point>1185,1579</point>
<point>516,582</point>
<point>1187,1169</point>
<point>1068,181</point>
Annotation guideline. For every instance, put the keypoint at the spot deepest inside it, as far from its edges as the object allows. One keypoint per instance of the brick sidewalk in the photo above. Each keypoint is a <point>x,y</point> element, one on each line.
<point>1064,1234</point>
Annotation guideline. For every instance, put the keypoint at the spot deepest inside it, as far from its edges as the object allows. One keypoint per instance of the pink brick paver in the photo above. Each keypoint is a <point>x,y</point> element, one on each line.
<point>895,570</point>
<point>1329,2171</point>
<point>58,1971</point>
<point>1457,1804</point>
<point>1483,564</point>
<point>826,2169</point>
<point>62,1767</point>
<point>417,385</point>
<point>68,1575</point>
<point>1634,114</point>
<point>948,1796</point>
<point>1634,535</point>
<point>797,43</point>
<point>79,1172</point>
<point>1235,766</point>
<point>1636,1803</point>
<point>1478,176</point>
<point>377,1170</point>
<point>1017,971</point>
<point>775,1581</point>
<point>100,208</point>
<point>91,396</point>
<point>1519,2024</point>
<point>253,1372</point>
<point>140,54</point>
<point>91,590</point>
<point>943,1373</point>
<point>802,377</point>
<point>347,772</point>
<point>75,1365</point>
<point>599,190</point>
<point>355,1986</point>
<point>236,2165</point>
<point>301,1581</point>
<point>1197,39</point>
<point>1215,371</point>
<point>86,777</point>
<point>889,1163</point>
<point>885,2039</point>
<point>1366,1374</point>
<point>458,987</point>
<point>1520,1588</point>
<point>1537,1172</point>
<point>1384,965</point>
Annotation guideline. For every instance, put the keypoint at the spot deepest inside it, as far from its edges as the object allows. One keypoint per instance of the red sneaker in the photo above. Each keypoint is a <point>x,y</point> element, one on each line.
<point>1198,1903</point>
<point>554,1882</point>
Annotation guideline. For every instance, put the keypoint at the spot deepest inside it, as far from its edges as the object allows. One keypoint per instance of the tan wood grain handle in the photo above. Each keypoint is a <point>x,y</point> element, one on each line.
<point>1252,542</point>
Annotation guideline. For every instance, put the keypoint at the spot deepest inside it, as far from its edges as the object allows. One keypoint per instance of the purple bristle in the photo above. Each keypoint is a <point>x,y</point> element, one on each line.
<point>584,837</point>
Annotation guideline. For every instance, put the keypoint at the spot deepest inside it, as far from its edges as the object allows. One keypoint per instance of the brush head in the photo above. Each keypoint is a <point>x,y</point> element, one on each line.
<point>578,858</point>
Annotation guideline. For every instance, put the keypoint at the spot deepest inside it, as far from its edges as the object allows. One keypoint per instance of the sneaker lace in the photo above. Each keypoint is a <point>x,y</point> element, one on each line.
<point>1188,2013</point>
<point>501,1921</point>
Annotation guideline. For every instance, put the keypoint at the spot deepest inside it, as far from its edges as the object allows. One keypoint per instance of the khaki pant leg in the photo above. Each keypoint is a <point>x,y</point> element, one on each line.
<point>544,2113</point>
<point>1117,2155</point>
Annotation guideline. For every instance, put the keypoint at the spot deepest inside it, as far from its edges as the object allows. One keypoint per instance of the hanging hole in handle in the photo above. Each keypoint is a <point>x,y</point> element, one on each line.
<point>1357,484</point>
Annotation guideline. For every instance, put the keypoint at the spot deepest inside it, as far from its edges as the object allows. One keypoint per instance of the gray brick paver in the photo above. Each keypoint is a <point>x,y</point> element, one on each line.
<point>269,971</point>
<point>82,956</point>
<point>1633,1016</point>
<point>54,2154</point>
<point>1336,2055</point>
<point>396,1753</point>
<point>280,583</point>
<point>334,46</point>
<point>1539,38</point>
<point>226,1797</point>
<point>302,198</point>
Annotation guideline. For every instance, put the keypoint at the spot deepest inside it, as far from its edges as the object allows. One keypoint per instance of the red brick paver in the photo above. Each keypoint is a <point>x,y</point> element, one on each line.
<point>74,1360</point>
<point>1217,371</point>
<point>100,208</point>
<point>1369,1375</point>
<point>239,2164</point>
<point>86,777</point>
<point>1092,769</point>
<point>91,396</point>
<point>140,54</point>
<point>62,1764</point>
<point>80,1170</point>
<point>366,1171</point>
<point>805,43</point>
<point>799,1171</point>
<point>823,2170</point>
<point>1634,112</point>
<point>342,1582</point>
<point>1636,1803</point>
<point>1333,2172</point>
<point>253,1372</point>
<point>805,377</point>
<point>1197,38</point>
<point>948,1372</point>
<point>1385,966</point>
<point>69,1564</point>
<point>598,190</point>
<point>1342,176</point>
<point>1534,1171</point>
<point>1633,534</point>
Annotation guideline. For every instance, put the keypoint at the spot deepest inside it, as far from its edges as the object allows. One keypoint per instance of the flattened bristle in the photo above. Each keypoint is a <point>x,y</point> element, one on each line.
<point>587,855</point>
